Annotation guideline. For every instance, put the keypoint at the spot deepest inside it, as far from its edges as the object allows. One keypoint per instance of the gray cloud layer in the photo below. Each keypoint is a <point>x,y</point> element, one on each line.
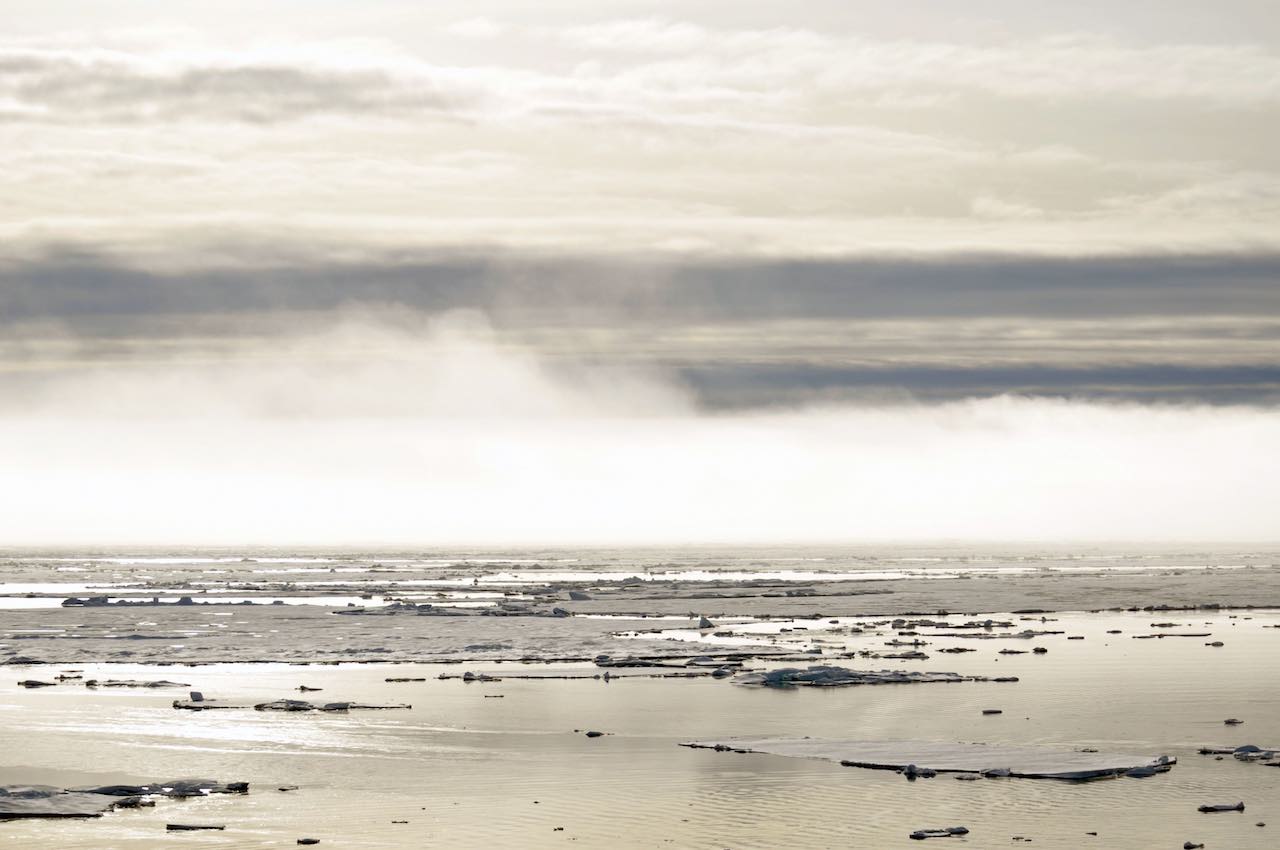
<point>963,286</point>
<point>739,333</point>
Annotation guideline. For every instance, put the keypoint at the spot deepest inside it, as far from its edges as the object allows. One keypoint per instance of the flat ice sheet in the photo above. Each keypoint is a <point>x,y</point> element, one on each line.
<point>42,801</point>
<point>1020,761</point>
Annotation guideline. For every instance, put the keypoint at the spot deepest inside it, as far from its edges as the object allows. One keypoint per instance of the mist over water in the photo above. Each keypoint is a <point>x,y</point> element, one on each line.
<point>437,432</point>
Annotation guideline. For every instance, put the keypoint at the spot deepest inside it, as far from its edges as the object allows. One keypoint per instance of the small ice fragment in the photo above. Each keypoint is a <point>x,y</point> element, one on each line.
<point>1222,807</point>
<point>946,832</point>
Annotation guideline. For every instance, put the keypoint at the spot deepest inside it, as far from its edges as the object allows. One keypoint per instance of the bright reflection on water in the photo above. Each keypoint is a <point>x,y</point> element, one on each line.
<point>468,770</point>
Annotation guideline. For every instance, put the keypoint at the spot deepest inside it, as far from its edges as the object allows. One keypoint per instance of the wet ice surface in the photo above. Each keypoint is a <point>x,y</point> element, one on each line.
<point>465,765</point>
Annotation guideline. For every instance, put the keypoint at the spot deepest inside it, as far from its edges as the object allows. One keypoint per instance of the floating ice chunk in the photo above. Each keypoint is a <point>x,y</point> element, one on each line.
<point>913,772</point>
<point>297,705</point>
<point>43,801</point>
<point>829,676</point>
<point>208,704</point>
<point>991,760</point>
<point>945,832</point>
<point>1222,807</point>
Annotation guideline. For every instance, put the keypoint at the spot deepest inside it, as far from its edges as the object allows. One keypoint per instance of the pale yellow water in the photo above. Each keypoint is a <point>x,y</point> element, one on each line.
<point>469,771</point>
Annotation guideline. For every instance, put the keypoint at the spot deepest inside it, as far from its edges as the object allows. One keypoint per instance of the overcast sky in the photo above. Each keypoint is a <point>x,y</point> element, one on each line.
<point>692,209</point>
<point>768,200</point>
<point>818,129</point>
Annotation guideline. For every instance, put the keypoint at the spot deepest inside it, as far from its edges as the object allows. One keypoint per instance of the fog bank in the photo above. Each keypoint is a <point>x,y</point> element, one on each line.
<point>438,434</point>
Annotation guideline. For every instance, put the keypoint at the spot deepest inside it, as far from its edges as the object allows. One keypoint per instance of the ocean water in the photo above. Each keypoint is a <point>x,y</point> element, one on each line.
<point>505,763</point>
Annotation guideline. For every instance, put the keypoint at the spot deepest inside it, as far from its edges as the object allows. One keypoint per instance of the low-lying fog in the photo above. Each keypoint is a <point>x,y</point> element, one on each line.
<point>437,433</point>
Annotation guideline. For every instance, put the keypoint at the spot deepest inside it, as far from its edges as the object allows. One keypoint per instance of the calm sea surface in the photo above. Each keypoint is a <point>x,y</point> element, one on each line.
<point>500,763</point>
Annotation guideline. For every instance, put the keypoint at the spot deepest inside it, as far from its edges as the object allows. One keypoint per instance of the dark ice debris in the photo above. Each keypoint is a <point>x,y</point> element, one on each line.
<point>283,705</point>
<point>178,788</point>
<point>1222,807</point>
<point>425,610</point>
<point>208,704</point>
<point>829,676</point>
<point>901,756</point>
<point>298,705</point>
<point>43,801</point>
<point>1142,772</point>
<point>190,827</point>
<point>123,683</point>
<point>1175,634</point>
<point>606,661</point>
<point>912,772</point>
<point>945,832</point>
<point>1247,752</point>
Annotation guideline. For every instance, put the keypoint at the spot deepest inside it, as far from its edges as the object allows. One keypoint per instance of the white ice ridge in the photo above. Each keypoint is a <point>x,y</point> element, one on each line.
<point>924,757</point>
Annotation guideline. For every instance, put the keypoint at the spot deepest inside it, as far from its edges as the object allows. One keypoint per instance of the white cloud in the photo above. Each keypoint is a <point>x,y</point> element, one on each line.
<point>985,206</point>
<point>480,28</point>
<point>653,134</point>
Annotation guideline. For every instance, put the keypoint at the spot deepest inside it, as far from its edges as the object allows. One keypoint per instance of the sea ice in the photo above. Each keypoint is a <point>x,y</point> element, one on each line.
<point>987,759</point>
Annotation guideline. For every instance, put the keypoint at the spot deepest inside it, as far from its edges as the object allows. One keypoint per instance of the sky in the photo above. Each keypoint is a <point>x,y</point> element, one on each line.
<point>789,250</point>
